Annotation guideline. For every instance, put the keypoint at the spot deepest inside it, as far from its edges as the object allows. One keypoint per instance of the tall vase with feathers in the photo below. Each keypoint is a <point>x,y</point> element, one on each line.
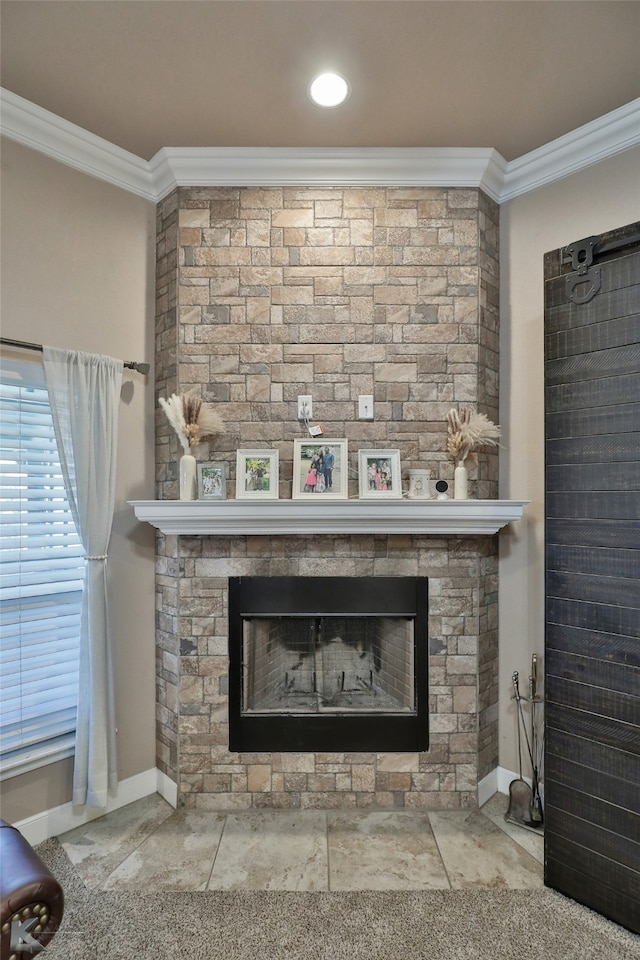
<point>467,431</point>
<point>193,421</point>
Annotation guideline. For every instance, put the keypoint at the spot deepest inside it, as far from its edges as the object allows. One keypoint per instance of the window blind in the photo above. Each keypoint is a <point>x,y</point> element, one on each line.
<point>41,574</point>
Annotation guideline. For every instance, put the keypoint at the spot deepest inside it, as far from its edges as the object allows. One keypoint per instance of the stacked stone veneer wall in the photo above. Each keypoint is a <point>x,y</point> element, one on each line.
<point>264,294</point>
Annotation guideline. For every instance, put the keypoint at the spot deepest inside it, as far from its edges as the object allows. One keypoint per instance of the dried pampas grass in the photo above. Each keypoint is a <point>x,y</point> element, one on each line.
<point>192,420</point>
<point>468,431</point>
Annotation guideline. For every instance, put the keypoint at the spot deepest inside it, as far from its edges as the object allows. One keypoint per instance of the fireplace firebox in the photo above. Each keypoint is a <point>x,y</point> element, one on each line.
<point>328,664</point>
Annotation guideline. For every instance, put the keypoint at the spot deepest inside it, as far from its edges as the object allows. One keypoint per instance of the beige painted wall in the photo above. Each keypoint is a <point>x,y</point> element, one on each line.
<point>78,271</point>
<point>599,198</point>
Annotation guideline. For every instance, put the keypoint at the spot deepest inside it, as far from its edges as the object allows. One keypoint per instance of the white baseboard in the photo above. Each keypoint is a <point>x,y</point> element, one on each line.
<point>487,787</point>
<point>57,820</point>
<point>168,789</point>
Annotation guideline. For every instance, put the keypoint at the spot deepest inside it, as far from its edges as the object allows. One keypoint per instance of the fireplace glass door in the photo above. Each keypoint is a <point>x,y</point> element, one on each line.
<point>328,663</point>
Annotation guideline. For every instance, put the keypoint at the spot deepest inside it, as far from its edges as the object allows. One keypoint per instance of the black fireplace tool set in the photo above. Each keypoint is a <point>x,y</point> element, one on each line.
<point>525,801</point>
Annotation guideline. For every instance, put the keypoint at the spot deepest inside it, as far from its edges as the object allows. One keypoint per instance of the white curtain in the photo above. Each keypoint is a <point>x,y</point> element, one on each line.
<point>84,391</point>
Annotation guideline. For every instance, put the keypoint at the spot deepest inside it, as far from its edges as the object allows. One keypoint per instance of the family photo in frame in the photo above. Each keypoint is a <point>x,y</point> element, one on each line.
<point>379,475</point>
<point>212,481</point>
<point>320,470</point>
<point>257,475</point>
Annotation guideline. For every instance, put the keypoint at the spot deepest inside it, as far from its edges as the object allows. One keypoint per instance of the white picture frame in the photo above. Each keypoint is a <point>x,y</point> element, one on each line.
<point>379,475</point>
<point>257,475</point>
<point>330,460</point>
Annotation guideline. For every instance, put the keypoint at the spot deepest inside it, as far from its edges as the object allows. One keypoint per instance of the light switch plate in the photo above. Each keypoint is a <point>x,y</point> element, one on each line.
<point>365,407</point>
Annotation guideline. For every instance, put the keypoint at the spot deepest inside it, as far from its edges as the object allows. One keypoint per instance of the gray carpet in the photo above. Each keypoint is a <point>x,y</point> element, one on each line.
<point>477,924</point>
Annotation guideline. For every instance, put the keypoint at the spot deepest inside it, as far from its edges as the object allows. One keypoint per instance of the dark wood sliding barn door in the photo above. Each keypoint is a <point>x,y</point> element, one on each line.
<point>592,658</point>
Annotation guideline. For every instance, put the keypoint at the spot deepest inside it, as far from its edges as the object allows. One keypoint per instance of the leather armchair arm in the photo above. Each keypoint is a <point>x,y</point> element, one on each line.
<point>31,899</point>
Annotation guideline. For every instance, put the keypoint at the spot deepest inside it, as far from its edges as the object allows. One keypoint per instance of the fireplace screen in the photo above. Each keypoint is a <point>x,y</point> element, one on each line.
<point>328,663</point>
<point>324,664</point>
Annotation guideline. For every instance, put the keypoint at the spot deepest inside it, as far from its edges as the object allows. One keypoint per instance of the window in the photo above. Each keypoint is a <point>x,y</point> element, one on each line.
<point>41,574</point>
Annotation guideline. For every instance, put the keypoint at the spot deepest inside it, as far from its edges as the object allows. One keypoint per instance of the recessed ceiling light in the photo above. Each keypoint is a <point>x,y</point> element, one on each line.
<point>329,90</point>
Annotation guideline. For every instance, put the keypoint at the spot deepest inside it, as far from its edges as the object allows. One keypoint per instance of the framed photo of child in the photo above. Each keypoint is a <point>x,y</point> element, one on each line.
<point>379,475</point>
<point>320,470</point>
<point>257,475</point>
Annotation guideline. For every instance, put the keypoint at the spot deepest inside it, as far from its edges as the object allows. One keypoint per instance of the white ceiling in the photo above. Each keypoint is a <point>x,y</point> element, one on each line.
<point>144,74</point>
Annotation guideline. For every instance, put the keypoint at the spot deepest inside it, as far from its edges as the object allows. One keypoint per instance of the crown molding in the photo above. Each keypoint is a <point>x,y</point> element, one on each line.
<point>171,167</point>
<point>29,124</point>
<point>327,166</point>
<point>602,138</point>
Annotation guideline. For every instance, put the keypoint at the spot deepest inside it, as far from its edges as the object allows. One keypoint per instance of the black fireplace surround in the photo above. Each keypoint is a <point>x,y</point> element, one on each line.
<point>328,664</point>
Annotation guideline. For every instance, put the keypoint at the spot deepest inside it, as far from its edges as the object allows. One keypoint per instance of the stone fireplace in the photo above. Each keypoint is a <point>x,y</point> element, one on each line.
<point>265,294</point>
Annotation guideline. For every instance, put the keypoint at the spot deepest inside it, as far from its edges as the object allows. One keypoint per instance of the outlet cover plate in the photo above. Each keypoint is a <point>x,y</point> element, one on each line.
<point>305,407</point>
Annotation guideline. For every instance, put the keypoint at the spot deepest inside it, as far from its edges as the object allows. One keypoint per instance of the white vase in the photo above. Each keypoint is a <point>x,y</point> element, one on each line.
<point>188,477</point>
<point>460,481</point>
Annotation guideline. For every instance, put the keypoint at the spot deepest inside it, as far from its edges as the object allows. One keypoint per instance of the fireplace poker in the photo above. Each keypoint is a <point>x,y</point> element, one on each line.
<point>533,684</point>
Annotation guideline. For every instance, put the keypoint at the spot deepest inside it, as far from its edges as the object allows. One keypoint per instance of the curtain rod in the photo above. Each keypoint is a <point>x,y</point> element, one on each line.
<point>25,345</point>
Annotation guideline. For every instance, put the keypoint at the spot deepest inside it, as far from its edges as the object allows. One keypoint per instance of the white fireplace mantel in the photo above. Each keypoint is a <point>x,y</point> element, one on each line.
<point>303,517</point>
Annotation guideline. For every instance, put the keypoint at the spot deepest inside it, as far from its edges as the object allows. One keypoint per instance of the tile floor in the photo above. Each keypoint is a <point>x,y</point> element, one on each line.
<point>149,844</point>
